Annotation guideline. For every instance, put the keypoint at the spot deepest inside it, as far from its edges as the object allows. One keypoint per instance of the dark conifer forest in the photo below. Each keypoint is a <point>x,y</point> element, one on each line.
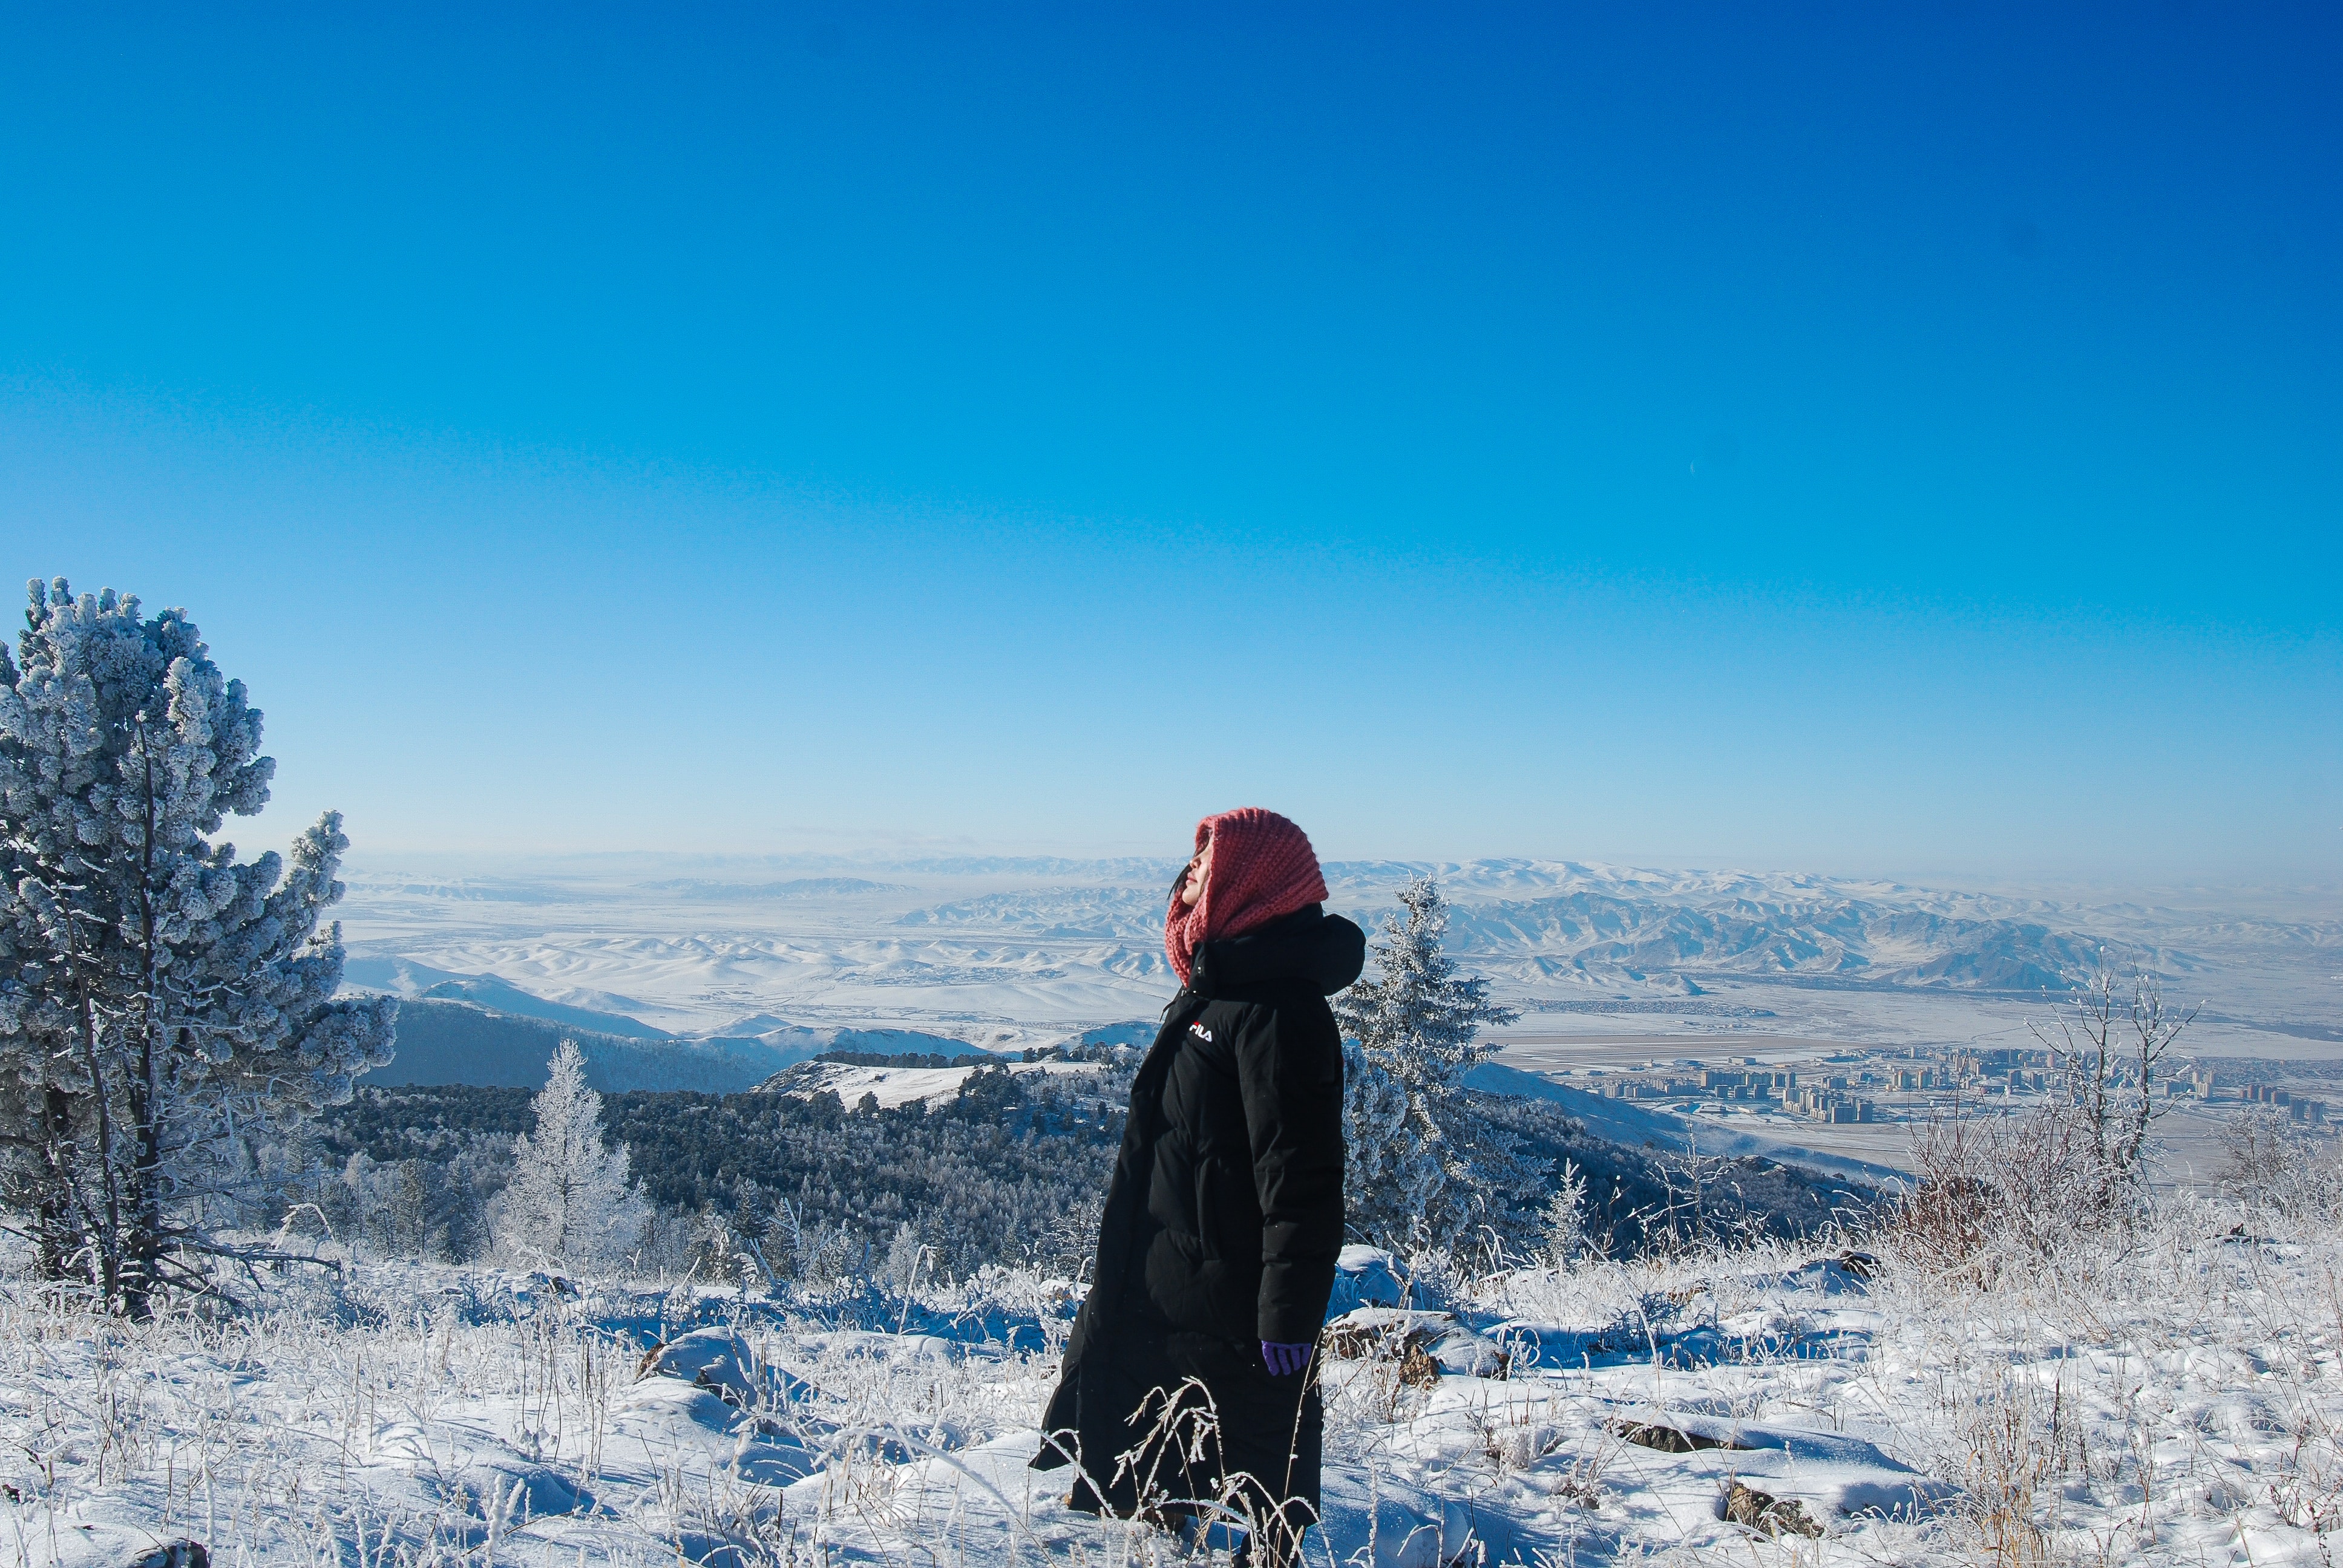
<point>1010,1170</point>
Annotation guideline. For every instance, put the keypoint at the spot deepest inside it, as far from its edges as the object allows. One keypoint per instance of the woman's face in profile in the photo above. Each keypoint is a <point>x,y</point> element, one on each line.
<point>1191,881</point>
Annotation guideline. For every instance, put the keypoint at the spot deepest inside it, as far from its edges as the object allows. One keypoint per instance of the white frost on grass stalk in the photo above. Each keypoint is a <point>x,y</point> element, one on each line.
<point>2171,1396</point>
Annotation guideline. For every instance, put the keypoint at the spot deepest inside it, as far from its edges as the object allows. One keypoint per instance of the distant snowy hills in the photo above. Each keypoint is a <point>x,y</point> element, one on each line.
<point>787,957</point>
<point>1129,913</point>
<point>1607,926</point>
<point>1602,936</point>
<point>799,889</point>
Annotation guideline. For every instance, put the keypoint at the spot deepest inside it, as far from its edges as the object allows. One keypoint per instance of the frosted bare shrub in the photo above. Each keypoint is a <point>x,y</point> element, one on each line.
<point>1995,1191</point>
<point>2112,1040</point>
<point>2268,1163</point>
<point>2002,1190</point>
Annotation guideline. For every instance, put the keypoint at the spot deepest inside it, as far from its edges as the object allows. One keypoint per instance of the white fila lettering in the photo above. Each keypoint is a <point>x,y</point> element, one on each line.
<point>1201,1032</point>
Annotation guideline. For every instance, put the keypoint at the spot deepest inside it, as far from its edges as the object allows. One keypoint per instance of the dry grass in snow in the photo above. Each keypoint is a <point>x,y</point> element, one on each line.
<point>2165,1393</point>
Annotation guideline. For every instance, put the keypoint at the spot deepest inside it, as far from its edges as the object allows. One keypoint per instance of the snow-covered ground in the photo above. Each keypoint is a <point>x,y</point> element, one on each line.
<point>2169,1396</point>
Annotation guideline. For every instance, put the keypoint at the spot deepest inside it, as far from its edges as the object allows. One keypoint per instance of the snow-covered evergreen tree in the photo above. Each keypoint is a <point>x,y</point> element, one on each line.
<point>570,1202</point>
<point>1423,1166</point>
<point>1382,1179</point>
<point>905,1255</point>
<point>1563,1218</point>
<point>159,999</point>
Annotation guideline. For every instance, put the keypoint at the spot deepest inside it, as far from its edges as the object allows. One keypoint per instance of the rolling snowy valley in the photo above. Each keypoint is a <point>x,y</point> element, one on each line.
<point>1006,954</point>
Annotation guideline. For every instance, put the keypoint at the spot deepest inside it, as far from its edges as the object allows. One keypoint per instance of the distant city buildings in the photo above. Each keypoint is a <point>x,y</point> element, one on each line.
<point>1883,1087</point>
<point>2299,1107</point>
<point>1823,1102</point>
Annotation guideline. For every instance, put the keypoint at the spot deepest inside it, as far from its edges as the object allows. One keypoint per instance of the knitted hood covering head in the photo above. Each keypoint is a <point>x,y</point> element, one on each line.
<point>1262,866</point>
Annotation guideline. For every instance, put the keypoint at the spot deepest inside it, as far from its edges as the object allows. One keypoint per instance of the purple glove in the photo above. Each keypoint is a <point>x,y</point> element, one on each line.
<point>1285,1360</point>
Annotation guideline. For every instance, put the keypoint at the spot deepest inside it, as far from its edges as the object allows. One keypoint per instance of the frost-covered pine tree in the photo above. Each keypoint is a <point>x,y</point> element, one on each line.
<point>1424,1166</point>
<point>1564,1219</point>
<point>1382,1179</point>
<point>905,1255</point>
<point>160,1000</point>
<point>570,1202</point>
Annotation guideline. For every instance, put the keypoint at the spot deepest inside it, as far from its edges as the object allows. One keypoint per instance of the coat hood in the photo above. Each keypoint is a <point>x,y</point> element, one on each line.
<point>1326,950</point>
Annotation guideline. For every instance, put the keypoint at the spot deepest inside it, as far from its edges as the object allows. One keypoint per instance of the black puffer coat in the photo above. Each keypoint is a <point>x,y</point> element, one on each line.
<point>1222,1227</point>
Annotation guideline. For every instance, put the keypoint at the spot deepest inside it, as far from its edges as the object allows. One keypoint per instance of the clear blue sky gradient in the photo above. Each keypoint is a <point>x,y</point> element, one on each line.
<point>1872,439</point>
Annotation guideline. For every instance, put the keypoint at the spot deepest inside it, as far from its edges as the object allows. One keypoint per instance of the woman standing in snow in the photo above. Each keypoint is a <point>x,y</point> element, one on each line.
<point>1188,1378</point>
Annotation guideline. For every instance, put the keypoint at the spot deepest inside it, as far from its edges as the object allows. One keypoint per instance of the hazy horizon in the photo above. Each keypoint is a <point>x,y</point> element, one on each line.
<point>2241,895</point>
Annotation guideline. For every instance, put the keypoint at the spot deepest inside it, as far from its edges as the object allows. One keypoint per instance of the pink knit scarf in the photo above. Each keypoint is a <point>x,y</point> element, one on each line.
<point>1262,866</point>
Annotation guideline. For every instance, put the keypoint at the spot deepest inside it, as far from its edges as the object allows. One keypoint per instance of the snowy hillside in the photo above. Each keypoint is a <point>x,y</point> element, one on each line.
<point>2172,1398</point>
<point>896,1086</point>
<point>578,1006</point>
<point>442,1041</point>
<point>449,1041</point>
<point>1633,1126</point>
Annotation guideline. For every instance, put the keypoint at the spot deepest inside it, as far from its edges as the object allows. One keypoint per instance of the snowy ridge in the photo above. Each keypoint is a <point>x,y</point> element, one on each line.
<point>794,1042</point>
<point>598,1010</point>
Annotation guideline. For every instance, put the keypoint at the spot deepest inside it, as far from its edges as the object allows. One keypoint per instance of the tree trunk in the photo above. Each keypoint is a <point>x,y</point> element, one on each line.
<point>57,1248</point>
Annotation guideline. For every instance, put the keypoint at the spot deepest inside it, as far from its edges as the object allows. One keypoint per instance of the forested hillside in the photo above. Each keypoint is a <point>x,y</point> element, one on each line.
<point>1009,1170</point>
<point>444,1041</point>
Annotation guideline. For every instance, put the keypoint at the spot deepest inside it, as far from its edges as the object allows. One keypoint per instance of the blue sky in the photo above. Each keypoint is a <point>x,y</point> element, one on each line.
<point>1895,439</point>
